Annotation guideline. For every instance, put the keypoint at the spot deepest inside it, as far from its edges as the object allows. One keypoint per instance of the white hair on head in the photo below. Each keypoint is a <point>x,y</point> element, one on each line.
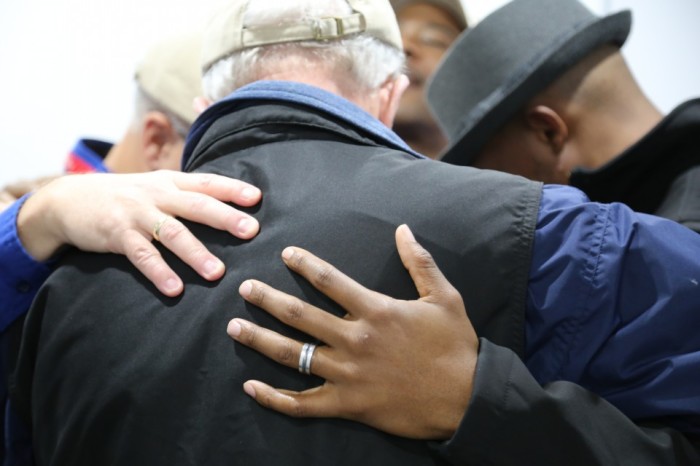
<point>359,64</point>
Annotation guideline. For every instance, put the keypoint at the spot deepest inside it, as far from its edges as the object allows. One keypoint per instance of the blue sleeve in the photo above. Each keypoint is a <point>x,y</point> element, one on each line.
<point>614,305</point>
<point>20,275</point>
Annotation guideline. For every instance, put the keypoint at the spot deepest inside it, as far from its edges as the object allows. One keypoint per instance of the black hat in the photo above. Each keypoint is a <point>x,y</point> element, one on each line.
<point>493,69</point>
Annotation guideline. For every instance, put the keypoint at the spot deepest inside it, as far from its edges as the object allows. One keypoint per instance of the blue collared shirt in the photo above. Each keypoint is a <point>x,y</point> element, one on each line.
<point>20,275</point>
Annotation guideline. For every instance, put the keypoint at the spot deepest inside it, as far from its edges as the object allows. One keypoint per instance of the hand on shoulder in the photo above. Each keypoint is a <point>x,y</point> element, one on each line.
<point>119,213</point>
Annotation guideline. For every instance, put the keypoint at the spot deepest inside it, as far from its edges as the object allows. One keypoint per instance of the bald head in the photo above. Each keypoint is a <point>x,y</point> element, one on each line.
<point>601,83</point>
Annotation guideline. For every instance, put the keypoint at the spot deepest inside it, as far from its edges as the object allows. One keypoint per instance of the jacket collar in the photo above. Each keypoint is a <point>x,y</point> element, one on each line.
<point>296,93</point>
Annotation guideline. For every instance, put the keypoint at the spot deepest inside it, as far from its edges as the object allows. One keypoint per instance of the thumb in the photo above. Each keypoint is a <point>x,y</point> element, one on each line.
<point>426,275</point>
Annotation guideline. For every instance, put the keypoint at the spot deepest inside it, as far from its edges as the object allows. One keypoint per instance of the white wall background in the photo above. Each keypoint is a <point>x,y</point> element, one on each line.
<point>66,69</point>
<point>66,65</point>
<point>662,49</point>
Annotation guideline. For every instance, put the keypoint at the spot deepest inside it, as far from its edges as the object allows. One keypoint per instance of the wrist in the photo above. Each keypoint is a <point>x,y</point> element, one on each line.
<point>37,226</point>
<point>461,396</point>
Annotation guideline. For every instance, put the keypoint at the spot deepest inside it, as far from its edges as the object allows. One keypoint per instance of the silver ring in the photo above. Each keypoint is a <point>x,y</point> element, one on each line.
<point>307,354</point>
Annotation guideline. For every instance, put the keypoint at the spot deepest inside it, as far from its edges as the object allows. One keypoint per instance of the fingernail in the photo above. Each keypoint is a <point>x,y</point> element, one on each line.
<point>245,289</point>
<point>249,389</point>
<point>213,266</point>
<point>172,285</point>
<point>247,226</point>
<point>234,328</point>
<point>250,193</point>
<point>287,253</point>
<point>408,232</point>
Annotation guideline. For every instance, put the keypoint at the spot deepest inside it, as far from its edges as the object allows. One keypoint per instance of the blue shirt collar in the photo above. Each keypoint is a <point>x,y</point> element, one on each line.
<point>298,93</point>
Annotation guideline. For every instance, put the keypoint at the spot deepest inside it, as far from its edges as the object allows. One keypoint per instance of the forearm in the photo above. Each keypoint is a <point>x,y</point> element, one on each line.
<point>512,419</point>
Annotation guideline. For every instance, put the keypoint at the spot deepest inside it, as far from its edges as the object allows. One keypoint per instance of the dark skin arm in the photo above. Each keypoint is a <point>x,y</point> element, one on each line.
<point>383,347</point>
<point>407,368</point>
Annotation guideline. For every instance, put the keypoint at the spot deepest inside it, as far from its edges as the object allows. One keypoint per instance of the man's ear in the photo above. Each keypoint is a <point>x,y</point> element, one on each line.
<point>389,97</point>
<point>158,138</point>
<point>199,104</point>
<point>549,127</point>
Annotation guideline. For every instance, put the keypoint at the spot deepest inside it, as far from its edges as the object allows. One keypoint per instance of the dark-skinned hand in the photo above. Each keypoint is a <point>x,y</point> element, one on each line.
<point>404,367</point>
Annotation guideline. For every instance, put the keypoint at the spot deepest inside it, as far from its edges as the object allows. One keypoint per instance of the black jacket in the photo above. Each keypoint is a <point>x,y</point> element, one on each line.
<point>111,372</point>
<point>127,376</point>
<point>658,175</point>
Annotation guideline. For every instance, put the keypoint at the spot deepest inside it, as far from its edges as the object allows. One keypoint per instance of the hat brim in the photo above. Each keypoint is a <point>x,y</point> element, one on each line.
<point>483,122</point>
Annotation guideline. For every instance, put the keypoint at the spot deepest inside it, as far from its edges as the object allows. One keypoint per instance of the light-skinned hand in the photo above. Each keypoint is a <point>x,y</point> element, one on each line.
<point>404,367</point>
<point>117,213</point>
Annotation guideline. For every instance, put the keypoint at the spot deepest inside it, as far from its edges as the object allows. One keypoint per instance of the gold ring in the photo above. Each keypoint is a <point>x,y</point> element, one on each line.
<point>158,225</point>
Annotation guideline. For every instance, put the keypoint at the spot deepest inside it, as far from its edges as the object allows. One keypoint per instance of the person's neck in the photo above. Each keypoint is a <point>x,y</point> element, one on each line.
<point>617,133</point>
<point>322,80</point>
<point>426,139</point>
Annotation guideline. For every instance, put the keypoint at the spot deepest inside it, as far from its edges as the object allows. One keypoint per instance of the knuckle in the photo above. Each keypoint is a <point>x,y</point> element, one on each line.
<point>361,342</point>
<point>112,223</point>
<point>324,276</point>
<point>451,294</point>
<point>206,180</point>
<point>363,339</point>
<point>383,308</point>
<point>424,259</point>
<point>285,354</point>
<point>144,255</point>
<point>198,202</point>
<point>294,311</point>
<point>171,231</point>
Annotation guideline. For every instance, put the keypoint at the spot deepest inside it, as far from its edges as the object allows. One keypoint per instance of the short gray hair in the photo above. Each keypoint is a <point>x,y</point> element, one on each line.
<point>359,64</point>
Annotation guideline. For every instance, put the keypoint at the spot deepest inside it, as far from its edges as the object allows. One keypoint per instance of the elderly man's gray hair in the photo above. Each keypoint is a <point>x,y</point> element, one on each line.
<point>357,64</point>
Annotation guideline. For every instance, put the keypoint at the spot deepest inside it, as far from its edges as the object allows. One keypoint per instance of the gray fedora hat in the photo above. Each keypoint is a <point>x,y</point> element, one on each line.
<point>495,68</point>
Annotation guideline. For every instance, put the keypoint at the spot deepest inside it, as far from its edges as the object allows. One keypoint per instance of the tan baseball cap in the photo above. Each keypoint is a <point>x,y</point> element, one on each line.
<point>227,35</point>
<point>453,7</point>
<point>170,73</point>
